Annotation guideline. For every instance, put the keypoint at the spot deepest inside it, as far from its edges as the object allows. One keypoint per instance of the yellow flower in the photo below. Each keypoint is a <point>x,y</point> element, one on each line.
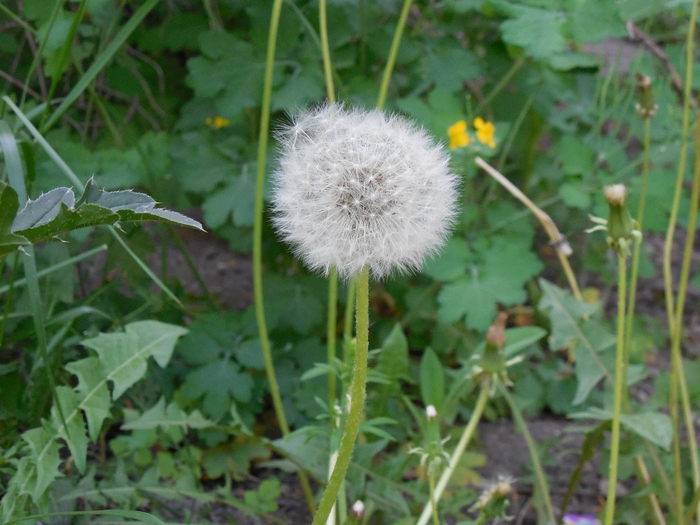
<point>458,135</point>
<point>218,122</point>
<point>485,131</point>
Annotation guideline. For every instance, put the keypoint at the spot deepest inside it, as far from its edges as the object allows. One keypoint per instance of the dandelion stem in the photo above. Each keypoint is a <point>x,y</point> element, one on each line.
<point>391,59</point>
<point>357,401</point>
<point>676,368</point>
<point>325,49</point>
<point>433,503</point>
<point>456,455</point>
<point>620,371</point>
<point>257,239</point>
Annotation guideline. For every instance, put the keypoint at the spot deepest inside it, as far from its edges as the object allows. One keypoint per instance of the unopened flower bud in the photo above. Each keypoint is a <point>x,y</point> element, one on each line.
<point>620,225</point>
<point>431,412</point>
<point>358,509</point>
<point>646,107</point>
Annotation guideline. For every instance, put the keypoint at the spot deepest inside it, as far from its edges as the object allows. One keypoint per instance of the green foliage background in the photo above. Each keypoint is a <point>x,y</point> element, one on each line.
<point>169,103</point>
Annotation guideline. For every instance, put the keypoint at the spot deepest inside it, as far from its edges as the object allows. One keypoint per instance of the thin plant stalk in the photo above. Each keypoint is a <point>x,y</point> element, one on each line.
<point>331,332</point>
<point>640,466</point>
<point>539,471</point>
<point>620,370</point>
<point>676,369</point>
<point>501,84</point>
<point>356,404</point>
<point>456,455</point>
<point>257,240</point>
<point>433,502</point>
<point>680,304</point>
<point>391,59</point>
<point>547,223</point>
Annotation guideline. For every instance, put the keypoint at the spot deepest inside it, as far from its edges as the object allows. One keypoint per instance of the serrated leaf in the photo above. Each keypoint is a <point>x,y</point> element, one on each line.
<point>74,433</point>
<point>43,210</point>
<point>45,459</point>
<point>392,362</point>
<point>161,416</point>
<point>123,355</point>
<point>93,388</point>
<point>564,312</point>
<point>449,67</point>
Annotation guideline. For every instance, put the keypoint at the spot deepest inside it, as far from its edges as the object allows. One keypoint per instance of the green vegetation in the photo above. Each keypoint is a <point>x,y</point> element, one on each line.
<point>125,390</point>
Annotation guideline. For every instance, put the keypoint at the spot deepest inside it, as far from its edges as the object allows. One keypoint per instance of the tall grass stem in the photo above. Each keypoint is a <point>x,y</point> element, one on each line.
<point>393,52</point>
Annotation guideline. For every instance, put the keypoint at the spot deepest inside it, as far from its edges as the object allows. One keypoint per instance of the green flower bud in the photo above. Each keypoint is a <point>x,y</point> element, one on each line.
<point>620,223</point>
<point>646,107</point>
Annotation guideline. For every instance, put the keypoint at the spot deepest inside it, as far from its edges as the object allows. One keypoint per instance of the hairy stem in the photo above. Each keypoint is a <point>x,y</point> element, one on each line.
<point>357,401</point>
<point>620,372</point>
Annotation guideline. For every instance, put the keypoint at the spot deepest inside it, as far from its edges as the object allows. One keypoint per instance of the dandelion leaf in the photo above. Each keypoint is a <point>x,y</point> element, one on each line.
<point>161,416</point>
<point>93,389</point>
<point>44,451</point>
<point>73,432</point>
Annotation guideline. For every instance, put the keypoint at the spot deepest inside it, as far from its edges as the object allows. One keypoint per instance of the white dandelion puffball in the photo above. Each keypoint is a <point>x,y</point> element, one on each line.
<point>358,188</point>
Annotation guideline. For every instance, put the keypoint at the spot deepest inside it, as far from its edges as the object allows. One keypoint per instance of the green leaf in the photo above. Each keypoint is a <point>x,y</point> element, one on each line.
<point>564,312</point>
<point>569,60</point>
<point>74,433</point>
<point>218,382</point>
<point>161,416</point>
<point>573,195</point>
<point>596,20</point>
<point>494,281</point>
<point>577,158</point>
<point>537,31</point>
<point>449,67</point>
<point>9,204</point>
<point>432,380</point>
<point>652,426</point>
<point>392,364</point>
<point>123,355</point>
<point>93,388</point>
<point>43,210</point>
<point>451,263</point>
<point>44,450</point>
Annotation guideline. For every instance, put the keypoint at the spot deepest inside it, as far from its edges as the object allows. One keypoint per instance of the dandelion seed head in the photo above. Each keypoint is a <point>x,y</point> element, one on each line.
<point>358,188</point>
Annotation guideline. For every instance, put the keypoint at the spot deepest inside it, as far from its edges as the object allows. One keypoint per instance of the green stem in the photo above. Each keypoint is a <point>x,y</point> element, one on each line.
<point>357,401</point>
<point>501,84</point>
<point>680,304</point>
<point>331,333</point>
<point>631,301</point>
<point>620,372</point>
<point>347,327</point>
<point>257,239</point>
<point>391,59</point>
<point>539,471</point>
<point>431,481</point>
<point>327,68</point>
<point>668,282</point>
<point>457,454</point>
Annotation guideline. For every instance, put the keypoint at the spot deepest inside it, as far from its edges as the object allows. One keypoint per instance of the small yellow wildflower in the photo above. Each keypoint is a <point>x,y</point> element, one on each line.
<point>485,131</point>
<point>458,134</point>
<point>218,122</point>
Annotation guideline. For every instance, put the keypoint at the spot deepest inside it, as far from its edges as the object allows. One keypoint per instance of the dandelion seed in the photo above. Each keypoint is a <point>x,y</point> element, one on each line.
<point>387,202</point>
<point>458,134</point>
<point>485,131</point>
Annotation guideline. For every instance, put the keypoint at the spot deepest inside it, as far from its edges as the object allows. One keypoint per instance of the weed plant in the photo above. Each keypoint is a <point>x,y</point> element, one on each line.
<point>523,183</point>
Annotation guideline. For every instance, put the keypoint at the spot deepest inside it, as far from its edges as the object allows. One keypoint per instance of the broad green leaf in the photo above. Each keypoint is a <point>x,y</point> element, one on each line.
<point>161,416</point>
<point>577,158</point>
<point>653,426</point>
<point>93,389</point>
<point>451,263</point>
<point>495,280</point>
<point>449,67</point>
<point>574,195</point>
<point>537,31</point>
<point>573,59</point>
<point>43,210</point>
<point>432,380</point>
<point>218,382</point>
